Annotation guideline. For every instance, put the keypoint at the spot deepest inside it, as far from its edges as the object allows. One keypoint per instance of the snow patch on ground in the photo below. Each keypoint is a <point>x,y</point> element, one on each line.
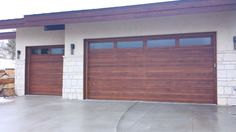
<point>5,100</point>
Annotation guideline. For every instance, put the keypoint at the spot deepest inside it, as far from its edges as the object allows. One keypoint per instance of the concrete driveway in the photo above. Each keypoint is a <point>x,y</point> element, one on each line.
<point>53,114</point>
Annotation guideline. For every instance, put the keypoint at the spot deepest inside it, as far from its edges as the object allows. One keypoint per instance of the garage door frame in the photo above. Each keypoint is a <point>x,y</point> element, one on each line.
<point>27,63</point>
<point>200,34</point>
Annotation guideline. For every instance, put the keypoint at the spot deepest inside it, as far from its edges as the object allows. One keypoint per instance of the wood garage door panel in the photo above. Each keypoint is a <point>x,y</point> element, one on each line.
<point>161,87</point>
<point>115,72</point>
<point>44,76</point>
<point>45,81</point>
<point>151,96</point>
<point>115,85</point>
<point>176,74</point>
<point>46,91</point>
<point>185,60</point>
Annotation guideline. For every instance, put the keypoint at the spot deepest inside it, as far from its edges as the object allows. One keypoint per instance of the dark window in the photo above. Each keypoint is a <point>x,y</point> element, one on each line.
<point>130,44</point>
<point>54,27</point>
<point>36,51</point>
<point>57,51</point>
<point>161,43</point>
<point>101,45</point>
<point>195,41</point>
<point>43,51</point>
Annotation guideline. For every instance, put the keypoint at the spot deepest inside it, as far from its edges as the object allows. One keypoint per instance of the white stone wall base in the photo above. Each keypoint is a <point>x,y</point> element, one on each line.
<point>73,77</point>
<point>20,77</point>
<point>226,77</point>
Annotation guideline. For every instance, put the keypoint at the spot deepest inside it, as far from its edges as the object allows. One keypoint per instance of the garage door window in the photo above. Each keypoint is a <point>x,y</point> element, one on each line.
<point>36,51</point>
<point>43,51</point>
<point>47,51</point>
<point>101,45</point>
<point>161,43</point>
<point>195,41</point>
<point>130,44</point>
<point>57,51</point>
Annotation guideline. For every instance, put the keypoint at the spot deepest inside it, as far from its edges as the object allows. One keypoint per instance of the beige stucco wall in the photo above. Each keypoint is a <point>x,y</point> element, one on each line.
<point>37,37</point>
<point>223,23</point>
<point>32,37</point>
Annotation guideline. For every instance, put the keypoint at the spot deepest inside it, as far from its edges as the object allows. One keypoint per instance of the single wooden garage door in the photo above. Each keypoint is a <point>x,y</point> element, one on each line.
<point>44,70</point>
<point>171,68</point>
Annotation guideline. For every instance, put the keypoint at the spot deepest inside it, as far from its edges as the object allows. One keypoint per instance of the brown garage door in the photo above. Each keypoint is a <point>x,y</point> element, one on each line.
<point>172,68</point>
<point>44,70</point>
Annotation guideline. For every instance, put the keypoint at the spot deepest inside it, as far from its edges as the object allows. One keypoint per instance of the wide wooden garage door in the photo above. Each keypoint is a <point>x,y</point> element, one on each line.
<point>44,70</point>
<point>170,68</point>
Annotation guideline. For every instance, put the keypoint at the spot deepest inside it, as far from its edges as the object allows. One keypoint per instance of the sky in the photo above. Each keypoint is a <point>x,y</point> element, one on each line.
<point>10,9</point>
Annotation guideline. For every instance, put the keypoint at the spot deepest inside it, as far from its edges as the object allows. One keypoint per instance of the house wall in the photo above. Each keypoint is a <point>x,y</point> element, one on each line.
<point>223,23</point>
<point>32,37</point>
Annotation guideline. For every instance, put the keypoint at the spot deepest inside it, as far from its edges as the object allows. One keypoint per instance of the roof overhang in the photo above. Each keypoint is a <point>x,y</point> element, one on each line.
<point>7,35</point>
<point>12,23</point>
<point>122,13</point>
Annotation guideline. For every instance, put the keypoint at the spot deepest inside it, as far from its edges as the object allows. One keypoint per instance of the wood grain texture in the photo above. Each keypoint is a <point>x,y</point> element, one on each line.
<point>179,74</point>
<point>44,74</point>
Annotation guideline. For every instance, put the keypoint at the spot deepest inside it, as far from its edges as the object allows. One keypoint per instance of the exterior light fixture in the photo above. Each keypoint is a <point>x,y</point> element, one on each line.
<point>72,48</point>
<point>234,39</point>
<point>18,54</point>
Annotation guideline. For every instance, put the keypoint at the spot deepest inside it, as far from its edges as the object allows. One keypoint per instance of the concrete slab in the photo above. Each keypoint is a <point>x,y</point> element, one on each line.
<point>53,114</point>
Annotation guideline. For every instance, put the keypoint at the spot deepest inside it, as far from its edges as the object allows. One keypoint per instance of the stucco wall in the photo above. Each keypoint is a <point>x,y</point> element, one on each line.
<point>223,23</point>
<point>32,37</point>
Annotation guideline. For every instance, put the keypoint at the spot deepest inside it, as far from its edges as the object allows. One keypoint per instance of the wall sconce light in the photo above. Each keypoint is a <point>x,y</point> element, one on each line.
<point>18,54</point>
<point>72,48</point>
<point>234,39</point>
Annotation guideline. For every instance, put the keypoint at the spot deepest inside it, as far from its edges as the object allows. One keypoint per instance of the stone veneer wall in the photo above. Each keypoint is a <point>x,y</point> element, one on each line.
<point>73,77</point>
<point>226,78</point>
<point>20,77</point>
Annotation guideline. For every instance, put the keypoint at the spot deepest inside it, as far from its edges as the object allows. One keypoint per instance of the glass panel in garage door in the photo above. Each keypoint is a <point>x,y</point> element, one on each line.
<point>57,51</point>
<point>40,51</point>
<point>130,44</point>
<point>101,45</point>
<point>195,41</point>
<point>161,43</point>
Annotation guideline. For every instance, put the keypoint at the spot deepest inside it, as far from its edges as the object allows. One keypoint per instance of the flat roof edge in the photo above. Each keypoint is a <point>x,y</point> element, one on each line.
<point>121,13</point>
<point>11,23</point>
<point>7,35</point>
